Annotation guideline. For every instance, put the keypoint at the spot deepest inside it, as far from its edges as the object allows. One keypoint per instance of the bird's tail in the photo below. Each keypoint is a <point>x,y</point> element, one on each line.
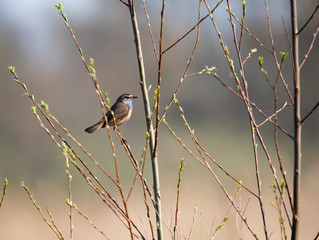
<point>94,127</point>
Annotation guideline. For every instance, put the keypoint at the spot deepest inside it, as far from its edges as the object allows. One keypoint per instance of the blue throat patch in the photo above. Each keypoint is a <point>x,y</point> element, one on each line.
<point>129,102</point>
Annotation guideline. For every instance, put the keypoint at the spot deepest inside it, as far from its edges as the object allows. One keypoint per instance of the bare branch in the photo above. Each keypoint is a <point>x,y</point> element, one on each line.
<point>193,28</point>
<point>309,114</point>
<point>310,47</point>
<point>4,191</point>
<point>308,21</point>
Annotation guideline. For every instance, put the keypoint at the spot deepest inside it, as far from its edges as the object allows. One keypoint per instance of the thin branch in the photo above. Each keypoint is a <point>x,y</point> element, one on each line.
<point>283,172</point>
<point>193,28</point>
<point>70,196</point>
<point>86,218</point>
<point>4,190</point>
<point>252,35</point>
<point>186,70</point>
<point>274,53</point>
<point>273,115</point>
<point>309,114</point>
<point>177,197</point>
<point>310,47</point>
<point>119,185</point>
<point>193,221</point>
<point>53,222</point>
<point>54,229</point>
<point>122,1</point>
<point>143,160</point>
<point>225,218</point>
<point>150,30</point>
<point>308,21</point>
<point>159,80</point>
<point>242,24</point>
<point>137,167</point>
<point>288,39</point>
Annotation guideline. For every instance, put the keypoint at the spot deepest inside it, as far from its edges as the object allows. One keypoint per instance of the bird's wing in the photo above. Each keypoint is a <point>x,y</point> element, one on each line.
<point>121,111</point>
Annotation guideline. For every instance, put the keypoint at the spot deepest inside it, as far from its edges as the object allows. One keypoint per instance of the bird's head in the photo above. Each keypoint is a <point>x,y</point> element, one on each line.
<point>126,98</point>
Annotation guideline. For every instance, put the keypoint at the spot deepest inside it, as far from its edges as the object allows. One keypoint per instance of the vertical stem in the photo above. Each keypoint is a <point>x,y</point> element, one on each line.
<point>150,129</point>
<point>70,196</point>
<point>261,204</point>
<point>297,125</point>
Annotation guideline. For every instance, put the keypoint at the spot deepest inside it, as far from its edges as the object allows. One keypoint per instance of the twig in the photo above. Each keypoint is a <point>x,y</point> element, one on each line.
<point>159,81</point>
<point>85,217</point>
<point>139,173</point>
<point>249,55</point>
<point>70,194</point>
<point>288,39</point>
<point>177,197</point>
<point>311,17</point>
<point>273,115</point>
<point>309,114</point>
<point>4,190</point>
<point>274,53</point>
<point>310,47</point>
<point>242,24</point>
<point>251,34</point>
<point>120,187</point>
<point>225,218</point>
<point>187,66</point>
<point>278,207</point>
<point>150,30</point>
<point>144,192</point>
<point>277,151</point>
<point>258,180</point>
<point>137,167</point>
<point>193,28</point>
<point>193,221</point>
<point>52,227</point>
<point>52,221</point>
<point>122,1</point>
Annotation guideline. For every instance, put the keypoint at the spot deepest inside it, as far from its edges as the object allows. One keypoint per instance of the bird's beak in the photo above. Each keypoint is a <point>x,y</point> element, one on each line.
<point>134,97</point>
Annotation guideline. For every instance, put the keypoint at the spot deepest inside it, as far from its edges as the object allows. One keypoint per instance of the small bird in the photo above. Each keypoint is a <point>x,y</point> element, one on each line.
<point>122,110</point>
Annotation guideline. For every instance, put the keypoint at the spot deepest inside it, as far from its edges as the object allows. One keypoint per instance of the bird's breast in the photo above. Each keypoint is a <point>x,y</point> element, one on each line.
<point>127,117</point>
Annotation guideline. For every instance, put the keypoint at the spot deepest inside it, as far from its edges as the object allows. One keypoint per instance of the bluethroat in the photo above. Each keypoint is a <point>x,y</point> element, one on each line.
<point>122,110</point>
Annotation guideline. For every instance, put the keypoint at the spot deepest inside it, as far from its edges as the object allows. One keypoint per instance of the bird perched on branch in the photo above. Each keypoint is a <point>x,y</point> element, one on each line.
<point>122,109</point>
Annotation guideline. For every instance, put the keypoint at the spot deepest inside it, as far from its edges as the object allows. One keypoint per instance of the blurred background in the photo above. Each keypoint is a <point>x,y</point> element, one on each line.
<point>35,39</point>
